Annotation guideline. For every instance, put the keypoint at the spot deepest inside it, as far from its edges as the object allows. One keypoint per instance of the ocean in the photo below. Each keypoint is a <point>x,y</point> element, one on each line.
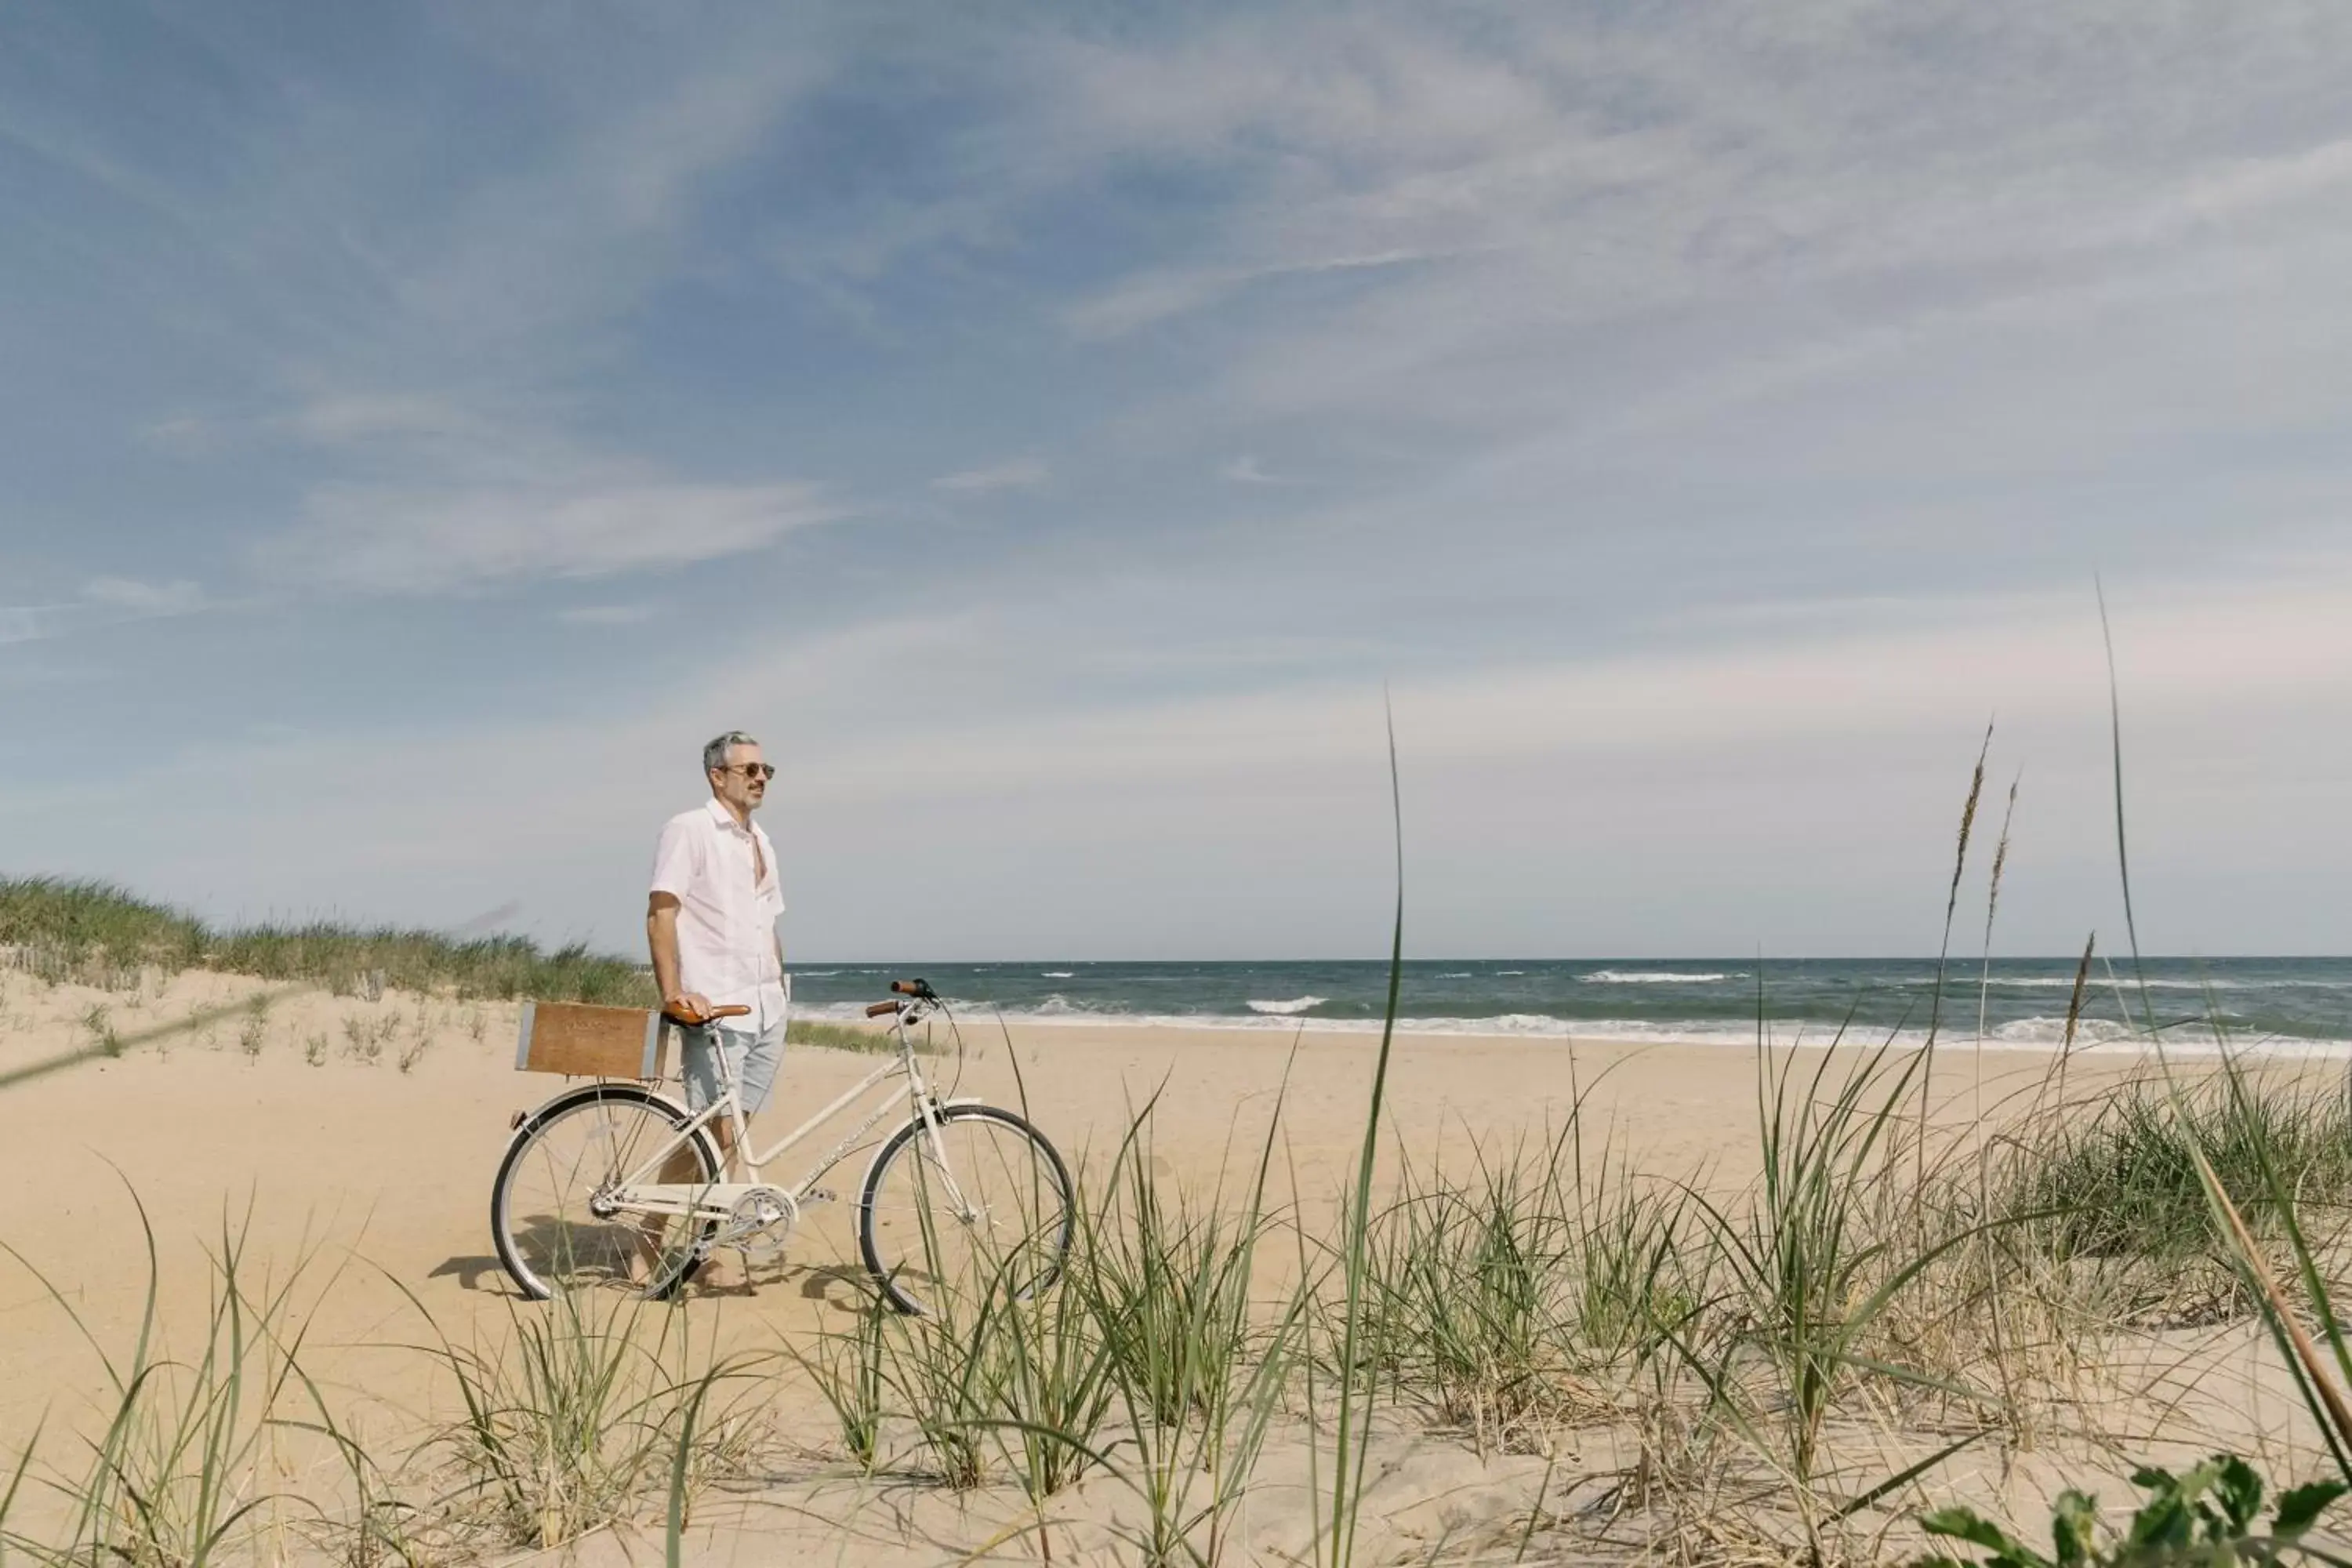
<point>2295,1005</point>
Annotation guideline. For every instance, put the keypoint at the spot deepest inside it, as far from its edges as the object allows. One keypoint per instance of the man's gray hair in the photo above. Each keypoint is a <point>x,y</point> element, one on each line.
<point>714,755</point>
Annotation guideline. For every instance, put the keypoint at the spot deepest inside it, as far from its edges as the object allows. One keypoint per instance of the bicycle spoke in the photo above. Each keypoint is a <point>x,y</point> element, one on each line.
<point>569,1244</point>
<point>976,1204</point>
<point>627,1160</point>
<point>556,1227</point>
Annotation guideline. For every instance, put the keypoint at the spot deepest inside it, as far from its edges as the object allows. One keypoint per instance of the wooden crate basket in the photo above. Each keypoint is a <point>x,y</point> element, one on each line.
<point>581,1041</point>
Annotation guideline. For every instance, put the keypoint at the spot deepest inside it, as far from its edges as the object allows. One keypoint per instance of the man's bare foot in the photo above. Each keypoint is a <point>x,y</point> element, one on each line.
<point>642,1264</point>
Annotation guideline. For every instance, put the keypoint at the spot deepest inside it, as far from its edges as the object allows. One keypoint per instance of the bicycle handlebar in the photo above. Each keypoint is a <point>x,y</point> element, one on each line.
<point>921,990</point>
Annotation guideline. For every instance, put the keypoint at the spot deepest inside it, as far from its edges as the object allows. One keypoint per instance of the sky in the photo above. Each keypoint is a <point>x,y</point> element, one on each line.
<point>1064,434</point>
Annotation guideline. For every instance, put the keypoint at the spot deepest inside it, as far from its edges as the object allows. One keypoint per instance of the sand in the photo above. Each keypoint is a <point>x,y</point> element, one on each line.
<point>357,1140</point>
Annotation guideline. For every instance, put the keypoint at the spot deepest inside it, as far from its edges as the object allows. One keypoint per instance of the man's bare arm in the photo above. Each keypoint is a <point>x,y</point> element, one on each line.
<point>661,939</point>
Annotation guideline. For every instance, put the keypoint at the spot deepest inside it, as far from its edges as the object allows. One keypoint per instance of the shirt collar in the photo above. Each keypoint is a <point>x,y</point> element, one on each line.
<point>722,815</point>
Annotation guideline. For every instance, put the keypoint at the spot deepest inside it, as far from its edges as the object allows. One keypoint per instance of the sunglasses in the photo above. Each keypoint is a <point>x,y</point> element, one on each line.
<point>751,770</point>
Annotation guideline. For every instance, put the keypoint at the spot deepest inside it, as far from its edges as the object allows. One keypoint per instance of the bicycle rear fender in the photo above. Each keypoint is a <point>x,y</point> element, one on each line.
<point>528,1122</point>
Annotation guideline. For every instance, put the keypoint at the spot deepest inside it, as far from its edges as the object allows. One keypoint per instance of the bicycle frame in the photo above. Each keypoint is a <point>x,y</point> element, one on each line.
<point>639,1193</point>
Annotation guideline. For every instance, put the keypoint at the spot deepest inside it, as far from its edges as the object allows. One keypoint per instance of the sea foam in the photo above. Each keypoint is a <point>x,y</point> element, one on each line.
<point>1296,1005</point>
<point>1652,977</point>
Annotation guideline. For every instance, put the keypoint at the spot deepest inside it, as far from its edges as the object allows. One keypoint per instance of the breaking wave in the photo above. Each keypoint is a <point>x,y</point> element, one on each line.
<point>1289,1009</point>
<point>1654,977</point>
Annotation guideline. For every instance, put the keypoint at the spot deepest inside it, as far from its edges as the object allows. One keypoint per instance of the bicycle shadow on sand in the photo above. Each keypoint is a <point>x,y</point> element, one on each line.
<point>543,1236</point>
<point>844,1286</point>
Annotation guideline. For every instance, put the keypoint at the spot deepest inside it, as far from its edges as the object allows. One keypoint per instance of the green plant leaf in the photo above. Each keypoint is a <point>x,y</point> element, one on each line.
<point>2299,1507</point>
<point>1966,1524</point>
<point>2073,1521</point>
<point>2239,1489</point>
<point>2162,1522</point>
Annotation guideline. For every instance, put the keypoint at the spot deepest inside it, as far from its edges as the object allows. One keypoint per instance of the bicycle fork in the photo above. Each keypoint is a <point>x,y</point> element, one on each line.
<point>926,1106</point>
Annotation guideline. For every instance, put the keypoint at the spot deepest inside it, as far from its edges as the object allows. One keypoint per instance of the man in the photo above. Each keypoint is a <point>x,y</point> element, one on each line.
<point>710,922</point>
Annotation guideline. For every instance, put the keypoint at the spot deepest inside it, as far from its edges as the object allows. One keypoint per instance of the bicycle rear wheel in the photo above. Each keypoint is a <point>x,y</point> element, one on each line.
<point>553,1228</point>
<point>982,1207</point>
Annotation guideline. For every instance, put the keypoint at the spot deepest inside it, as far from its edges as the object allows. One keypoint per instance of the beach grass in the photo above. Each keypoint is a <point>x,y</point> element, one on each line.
<point>101,934</point>
<point>1153,1365</point>
<point>833,1037</point>
<point>2124,1176</point>
<point>231,1453</point>
<point>97,934</point>
<point>581,1413</point>
<point>1473,1296</point>
<point>851,1372</point>
<point>187,1465</point>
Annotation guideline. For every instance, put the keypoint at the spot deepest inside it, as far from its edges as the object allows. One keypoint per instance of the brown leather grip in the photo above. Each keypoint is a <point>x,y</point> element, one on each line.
<point>907,987</point>
<point>881,1009</point>
<point>696,1020</point>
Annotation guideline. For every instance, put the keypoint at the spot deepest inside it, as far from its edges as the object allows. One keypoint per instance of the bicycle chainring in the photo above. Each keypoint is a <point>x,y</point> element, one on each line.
<point>760,1224</point>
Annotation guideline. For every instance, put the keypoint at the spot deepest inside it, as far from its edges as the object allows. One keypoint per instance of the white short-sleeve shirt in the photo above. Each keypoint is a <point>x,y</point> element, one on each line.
<point>726,922</point>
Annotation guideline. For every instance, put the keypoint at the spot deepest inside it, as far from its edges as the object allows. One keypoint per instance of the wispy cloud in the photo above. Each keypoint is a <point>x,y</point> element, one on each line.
<point>105,601</point>
<point>580,222</point>
<point>1566,178</point>
<point>31,623</point>
<point>1141,301</point>
<point>359,417</point>
<point>184,435</point>
<point>1245,469</point>
<point>133,597</point>
<point>607,614</point>
<point>393,540</point>
<point>1012,474</point>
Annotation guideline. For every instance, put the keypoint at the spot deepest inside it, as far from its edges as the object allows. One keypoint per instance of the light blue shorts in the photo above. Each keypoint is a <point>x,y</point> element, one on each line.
<point>752,1059</point>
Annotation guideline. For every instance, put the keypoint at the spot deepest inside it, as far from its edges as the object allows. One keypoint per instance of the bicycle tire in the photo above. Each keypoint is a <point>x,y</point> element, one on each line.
<point>543,1252</point>
<point>1022,1257</point>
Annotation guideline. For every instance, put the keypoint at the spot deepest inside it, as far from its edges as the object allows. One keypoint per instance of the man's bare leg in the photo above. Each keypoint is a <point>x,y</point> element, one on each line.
<point>679,1170</point>
<point>718,1272</point>
<point>723,1270</point>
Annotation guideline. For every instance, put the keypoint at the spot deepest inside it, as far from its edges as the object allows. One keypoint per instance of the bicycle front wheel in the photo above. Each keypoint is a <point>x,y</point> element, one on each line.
<point>550,1212</point>
<point>972,1204</point>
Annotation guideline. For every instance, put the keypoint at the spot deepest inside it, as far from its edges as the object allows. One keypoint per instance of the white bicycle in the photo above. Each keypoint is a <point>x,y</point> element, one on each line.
<point>614,1185</point>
